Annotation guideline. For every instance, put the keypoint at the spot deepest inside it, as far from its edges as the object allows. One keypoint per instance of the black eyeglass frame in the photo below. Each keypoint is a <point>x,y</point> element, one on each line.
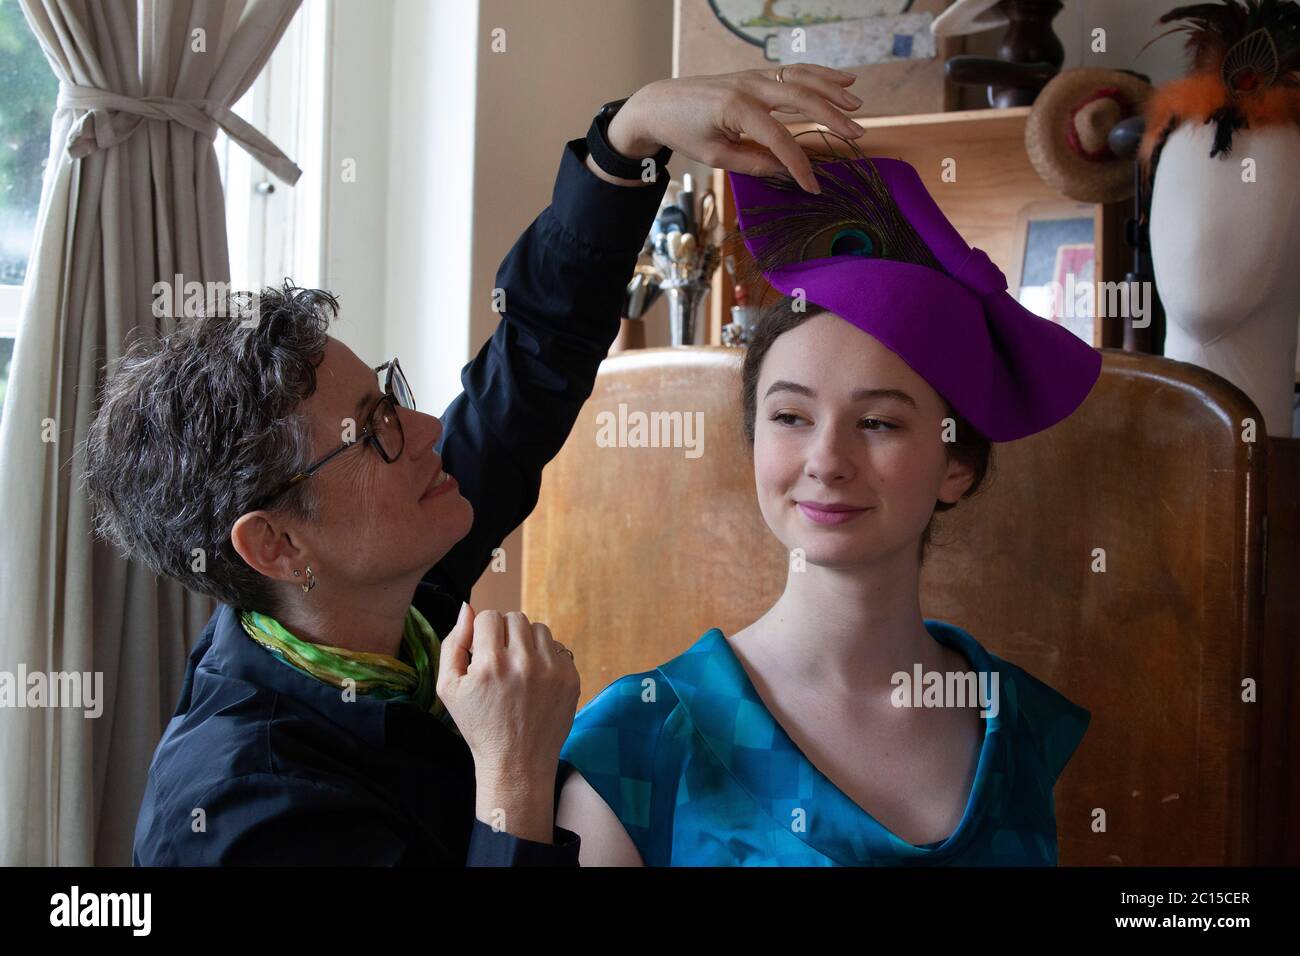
<point>391,376</point>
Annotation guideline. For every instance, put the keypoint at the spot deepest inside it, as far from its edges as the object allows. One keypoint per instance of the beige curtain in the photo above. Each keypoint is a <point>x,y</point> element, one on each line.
<point>132,195</point>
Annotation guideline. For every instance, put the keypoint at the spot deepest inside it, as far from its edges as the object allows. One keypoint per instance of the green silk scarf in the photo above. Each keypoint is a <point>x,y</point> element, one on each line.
<point>378,675</point>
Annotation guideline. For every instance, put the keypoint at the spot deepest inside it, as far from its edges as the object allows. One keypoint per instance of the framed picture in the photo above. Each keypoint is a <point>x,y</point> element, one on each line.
<point>1054,271</point>
<point>886,42</point>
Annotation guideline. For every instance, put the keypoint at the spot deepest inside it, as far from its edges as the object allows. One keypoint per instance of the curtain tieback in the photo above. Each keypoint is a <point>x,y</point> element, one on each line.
<point>99,128</point>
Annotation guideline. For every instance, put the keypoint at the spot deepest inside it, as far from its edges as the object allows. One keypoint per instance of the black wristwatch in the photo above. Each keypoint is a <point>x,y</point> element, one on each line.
<point>609,159</point>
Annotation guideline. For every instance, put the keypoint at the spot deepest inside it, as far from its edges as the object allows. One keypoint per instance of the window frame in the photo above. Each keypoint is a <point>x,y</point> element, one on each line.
<point>275,230</point>
<point>11,298</point>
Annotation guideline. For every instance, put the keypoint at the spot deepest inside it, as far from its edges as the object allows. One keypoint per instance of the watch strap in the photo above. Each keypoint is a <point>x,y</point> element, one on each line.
<point>609,159</point>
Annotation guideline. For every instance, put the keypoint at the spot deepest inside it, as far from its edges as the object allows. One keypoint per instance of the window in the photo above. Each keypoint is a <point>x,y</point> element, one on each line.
<point>26,109</point>
<point>274,230</point>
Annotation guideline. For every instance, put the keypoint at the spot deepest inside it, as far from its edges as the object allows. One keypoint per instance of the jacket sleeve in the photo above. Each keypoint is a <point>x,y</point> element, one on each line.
<point>489,847</point>
<point>563,284</point>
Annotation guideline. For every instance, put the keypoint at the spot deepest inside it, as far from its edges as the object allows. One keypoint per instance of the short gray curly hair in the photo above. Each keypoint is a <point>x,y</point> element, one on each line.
<point>194,429</point>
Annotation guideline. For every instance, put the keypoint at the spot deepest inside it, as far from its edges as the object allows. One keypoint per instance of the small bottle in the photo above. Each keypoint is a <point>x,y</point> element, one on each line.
<point>742,313</point>
<point>743,316</point>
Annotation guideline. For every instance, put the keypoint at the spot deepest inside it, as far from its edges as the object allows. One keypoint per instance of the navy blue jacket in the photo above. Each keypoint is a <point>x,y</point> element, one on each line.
<point>263,764</point>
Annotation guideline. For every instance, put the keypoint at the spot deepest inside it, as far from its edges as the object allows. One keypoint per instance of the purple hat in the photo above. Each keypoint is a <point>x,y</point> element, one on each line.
<point>875,249</point>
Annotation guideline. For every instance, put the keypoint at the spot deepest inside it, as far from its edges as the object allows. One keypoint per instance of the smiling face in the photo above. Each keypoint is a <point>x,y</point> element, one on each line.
<point>848,452</point>
<point>376,521</point>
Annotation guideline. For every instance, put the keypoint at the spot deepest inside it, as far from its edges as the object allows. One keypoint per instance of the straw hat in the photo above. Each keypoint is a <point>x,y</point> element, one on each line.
<point>1066,134</point>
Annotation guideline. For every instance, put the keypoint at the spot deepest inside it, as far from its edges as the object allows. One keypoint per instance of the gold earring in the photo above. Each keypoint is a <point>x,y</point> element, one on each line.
<point>311,579</point>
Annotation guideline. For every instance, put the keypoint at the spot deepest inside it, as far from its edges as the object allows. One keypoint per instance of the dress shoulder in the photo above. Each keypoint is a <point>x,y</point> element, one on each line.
<point>1053,722</point>
<point>622,743</point>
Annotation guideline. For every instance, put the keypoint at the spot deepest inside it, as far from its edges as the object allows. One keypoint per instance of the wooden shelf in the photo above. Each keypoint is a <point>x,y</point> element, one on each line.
<point>1012,117</point>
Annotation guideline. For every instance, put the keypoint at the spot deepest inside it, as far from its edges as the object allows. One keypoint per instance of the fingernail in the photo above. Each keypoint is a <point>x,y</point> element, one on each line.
<point>856,128</point>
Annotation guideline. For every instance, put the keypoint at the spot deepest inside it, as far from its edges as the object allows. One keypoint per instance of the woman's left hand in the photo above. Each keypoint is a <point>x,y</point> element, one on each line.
<point>704,118</point>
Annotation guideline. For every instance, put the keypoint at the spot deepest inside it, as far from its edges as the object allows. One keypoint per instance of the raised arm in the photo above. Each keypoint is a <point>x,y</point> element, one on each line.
<point>563,282</point>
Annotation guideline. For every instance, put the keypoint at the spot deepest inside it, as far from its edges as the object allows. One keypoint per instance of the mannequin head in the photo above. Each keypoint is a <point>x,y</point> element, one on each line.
<point>1221,149</point>
<point>1226,249</point>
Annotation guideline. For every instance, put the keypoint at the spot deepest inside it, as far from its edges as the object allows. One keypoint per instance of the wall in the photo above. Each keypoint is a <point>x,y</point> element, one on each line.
<point>1128,24</point>
<point>431,211</point>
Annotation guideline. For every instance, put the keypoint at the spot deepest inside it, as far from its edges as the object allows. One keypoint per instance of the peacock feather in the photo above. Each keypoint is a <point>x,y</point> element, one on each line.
<point>853,215</point>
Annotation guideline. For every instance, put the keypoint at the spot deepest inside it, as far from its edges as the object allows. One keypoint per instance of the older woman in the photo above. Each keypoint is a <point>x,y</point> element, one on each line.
<point>344,705</point>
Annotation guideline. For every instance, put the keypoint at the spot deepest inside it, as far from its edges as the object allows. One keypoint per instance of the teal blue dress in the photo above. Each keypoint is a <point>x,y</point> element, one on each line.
<point>700,773</point>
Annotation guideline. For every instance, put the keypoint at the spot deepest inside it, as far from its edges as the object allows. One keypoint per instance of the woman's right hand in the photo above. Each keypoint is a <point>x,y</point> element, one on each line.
<point>512,691</point>
<point>726,120</point>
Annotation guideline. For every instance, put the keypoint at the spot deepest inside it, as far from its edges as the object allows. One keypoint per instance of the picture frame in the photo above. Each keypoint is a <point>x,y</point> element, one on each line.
<point>887,43</point>
<point>1055,255</point>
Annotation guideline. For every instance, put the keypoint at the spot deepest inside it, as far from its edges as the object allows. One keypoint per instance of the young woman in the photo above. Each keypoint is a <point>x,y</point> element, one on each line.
<point>870,393</point>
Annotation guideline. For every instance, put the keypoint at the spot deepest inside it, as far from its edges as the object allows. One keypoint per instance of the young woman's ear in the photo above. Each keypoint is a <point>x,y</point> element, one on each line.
<point>960,476</point>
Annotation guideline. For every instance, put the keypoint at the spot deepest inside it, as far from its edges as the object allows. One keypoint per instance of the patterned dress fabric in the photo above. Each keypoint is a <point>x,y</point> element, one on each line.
<point>699,772</point>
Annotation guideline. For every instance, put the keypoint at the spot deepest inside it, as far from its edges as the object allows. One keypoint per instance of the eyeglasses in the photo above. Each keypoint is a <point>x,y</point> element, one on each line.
<point>383,428</point>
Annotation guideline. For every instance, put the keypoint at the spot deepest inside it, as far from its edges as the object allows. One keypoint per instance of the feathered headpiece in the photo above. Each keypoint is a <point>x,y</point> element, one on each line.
<point>875,249</point>
<point>1245,73</point>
